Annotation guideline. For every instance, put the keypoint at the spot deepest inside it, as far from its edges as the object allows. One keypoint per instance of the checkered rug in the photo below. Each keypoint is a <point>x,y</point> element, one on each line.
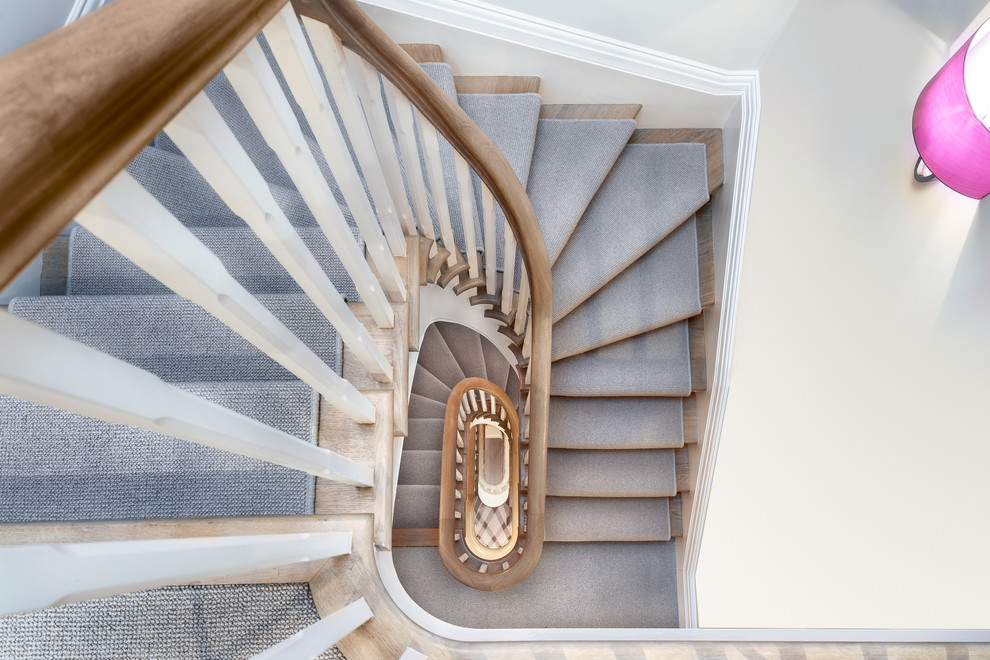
<point>493,527</point>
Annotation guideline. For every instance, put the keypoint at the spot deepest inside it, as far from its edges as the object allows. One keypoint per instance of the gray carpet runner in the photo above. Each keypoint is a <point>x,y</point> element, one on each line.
<point>449,353</point>
<point>570,160</point>
<point>104,471</point>
<point>164,174</point>
<point>98,269</point>
<point>651,190</point>
<point>616,423</point>
<point>177,340</point>
<point>574,585</point>
<point>619,473</point>
<point>180,623</point>
<point>510,120</point>
<point>590,519</point>
<point>656,363</point>
<point>660,288</point>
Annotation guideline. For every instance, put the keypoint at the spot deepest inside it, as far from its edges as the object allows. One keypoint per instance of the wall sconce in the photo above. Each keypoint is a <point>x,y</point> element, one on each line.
<point>952,121</point>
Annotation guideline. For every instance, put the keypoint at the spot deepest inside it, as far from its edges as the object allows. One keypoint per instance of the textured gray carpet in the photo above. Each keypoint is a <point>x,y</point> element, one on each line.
<point>580,519</point>
<point>650,191</point>
<point>465,345</point>
<point>177,339</point>
<point>203,623</point>
<point>510,121</point>
<point>421,407</point>
<point>103,471</point>
<point>660,288</point>
<point>416,506</point>
<point>594,585</point>
<point>420,468</point>
<point>428,385</point>
<point>435,357</point>
<point>424,434</point>
<point>184,192</point>
<point>616,423</point>
<point>496,366</point>
<point>603,473</point>
<point>570,161</point>
<point>97,269</point>
<point>656,363</point>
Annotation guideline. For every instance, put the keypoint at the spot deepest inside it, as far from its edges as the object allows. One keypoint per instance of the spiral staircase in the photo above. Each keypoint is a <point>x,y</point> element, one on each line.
<point>296,333</point>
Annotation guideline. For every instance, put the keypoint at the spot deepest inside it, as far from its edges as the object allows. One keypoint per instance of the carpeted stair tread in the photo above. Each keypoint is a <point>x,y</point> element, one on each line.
<point>60,466</point>
<point>496,366</point>
<point>651,189</point>
<point>443,75</point>
<point>510,120</point>
<point>428,385</point>
<point>662,287</point>
<point>424,434</point>
<point>435,357</point>
<point>417,506</point>
<point>421,407</point>
<point>574,585</point>
<point>465,345</point>
<point>175,338</point>
<point>228,622</point>
<point>97,269</point>
<point>581,519</point>
<point>601,473</point>
<point>570,160</point>
<point>655,363</point>
<point>616,423</point>
<point>185,193</point>
<point>420,468</point>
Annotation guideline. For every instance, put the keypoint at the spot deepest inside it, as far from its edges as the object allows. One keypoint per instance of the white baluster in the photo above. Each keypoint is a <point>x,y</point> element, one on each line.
<point>369,90</point>
<point>405,122</point>
<point>288,44</point>
<point>488,220</point>
<point>210,145</point>
<point>467,213</point>
<point>256,85</point>
<point>522,306</point>
<point>412,654</point>
<point>35,577</point>
<point>313,640</point>
<point>434,169</point>
<point>330,54</point>
<point>508,269</point>
<point>129,219</point>
<point>42,366</point>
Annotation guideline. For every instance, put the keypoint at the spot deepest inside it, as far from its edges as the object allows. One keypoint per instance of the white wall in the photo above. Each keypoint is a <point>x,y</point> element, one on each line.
<point>851,487</point>
<point>22,22</point>
<point>472,52</point>
<point>730,34</point>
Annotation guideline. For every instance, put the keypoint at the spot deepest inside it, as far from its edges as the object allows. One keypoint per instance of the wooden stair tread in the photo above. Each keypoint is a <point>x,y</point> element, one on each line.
<point>497,84</point>
<point>590,110</point>
<point>423,53</point>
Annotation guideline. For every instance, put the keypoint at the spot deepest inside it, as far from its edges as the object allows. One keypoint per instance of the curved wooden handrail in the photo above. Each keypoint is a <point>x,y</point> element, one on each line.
<point>362,35</point>
<point>448,553</point>
<point>77,105</point>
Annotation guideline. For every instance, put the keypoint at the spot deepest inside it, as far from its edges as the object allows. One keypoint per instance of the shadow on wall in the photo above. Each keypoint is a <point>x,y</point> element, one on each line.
<point>965,313</point>
<point>945,19</point>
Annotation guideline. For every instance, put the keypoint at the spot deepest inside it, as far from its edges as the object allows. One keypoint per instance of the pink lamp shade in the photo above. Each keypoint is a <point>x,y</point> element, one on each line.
<point>951,116</point>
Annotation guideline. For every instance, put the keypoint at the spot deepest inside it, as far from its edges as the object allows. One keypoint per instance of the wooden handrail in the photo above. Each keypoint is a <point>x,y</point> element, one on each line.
<point>77,105</point>
<point>361,34</point>
<point>449,554</point>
